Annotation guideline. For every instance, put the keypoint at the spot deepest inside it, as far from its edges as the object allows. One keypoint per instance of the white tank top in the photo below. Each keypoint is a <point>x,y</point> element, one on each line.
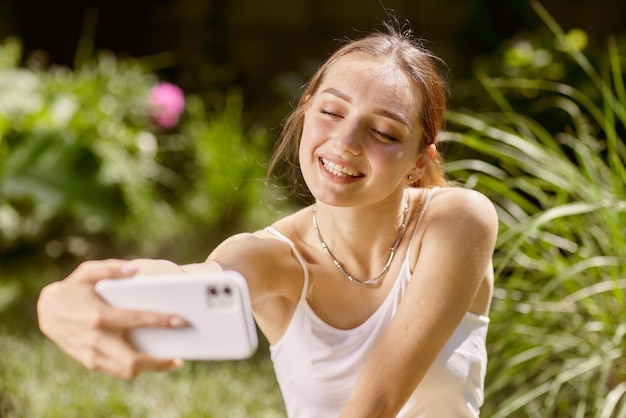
<point>316,365</point>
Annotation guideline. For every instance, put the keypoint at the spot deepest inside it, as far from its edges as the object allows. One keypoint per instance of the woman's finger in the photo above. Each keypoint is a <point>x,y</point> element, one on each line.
<point>125,319</point>
<point>154,364</point>
<point>116,357</point>
<point>94,270</point>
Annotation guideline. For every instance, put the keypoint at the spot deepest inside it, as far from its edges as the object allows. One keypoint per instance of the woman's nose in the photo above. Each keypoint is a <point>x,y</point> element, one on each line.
<point>349,139</point>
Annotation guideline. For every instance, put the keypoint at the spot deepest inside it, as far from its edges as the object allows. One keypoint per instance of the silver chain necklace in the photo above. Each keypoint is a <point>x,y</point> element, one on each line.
<point>374,281</point>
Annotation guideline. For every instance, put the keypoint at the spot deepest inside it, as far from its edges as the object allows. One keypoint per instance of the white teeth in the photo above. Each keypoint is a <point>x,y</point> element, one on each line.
<point>338,170</point>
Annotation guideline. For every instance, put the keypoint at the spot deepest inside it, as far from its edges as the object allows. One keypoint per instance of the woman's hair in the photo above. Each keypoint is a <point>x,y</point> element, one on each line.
<point>419,64</point>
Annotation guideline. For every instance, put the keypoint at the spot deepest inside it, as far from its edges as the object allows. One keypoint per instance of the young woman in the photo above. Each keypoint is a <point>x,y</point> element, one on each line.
<point>374,299</point>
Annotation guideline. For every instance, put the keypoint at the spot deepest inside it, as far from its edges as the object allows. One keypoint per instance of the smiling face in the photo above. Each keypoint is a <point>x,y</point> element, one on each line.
<point>361,133</point>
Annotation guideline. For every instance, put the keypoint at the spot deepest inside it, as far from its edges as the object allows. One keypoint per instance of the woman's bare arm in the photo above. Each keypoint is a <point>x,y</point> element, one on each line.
<point>455,253</point>
<point>72,315</point>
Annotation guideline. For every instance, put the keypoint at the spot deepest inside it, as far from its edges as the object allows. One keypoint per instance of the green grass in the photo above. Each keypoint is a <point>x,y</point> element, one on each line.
<point>38,380</point>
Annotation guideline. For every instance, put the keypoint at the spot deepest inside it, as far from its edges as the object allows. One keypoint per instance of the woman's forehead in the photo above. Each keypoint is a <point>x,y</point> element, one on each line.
<point>379,81</point>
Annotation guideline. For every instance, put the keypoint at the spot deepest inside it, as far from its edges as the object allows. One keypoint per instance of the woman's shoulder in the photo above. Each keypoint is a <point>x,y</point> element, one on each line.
<point>462,196</point>
<point>460,205</point>
<point>253,247</point>
<point>295,227</point>
<point>267,263</point>
<point>264,247</point>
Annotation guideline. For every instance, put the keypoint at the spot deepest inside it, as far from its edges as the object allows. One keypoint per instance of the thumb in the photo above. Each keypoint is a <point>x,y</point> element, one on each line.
<point>147,267</point>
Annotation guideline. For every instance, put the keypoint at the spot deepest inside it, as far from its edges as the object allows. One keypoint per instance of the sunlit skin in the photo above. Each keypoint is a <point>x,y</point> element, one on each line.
<point>359,154</point>
<point>363,123</point>
<point>363,118</point>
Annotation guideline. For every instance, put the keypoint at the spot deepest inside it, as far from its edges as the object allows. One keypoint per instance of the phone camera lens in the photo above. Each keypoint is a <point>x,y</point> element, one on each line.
<point>212,290</point>
<point>227,290</point>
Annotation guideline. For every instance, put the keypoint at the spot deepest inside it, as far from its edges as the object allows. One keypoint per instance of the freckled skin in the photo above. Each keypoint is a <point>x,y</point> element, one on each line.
<point>360,144</point>
<point>365,99</point>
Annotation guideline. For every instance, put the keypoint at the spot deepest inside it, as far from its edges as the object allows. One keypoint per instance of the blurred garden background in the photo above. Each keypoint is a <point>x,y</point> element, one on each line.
<point>143,128</point>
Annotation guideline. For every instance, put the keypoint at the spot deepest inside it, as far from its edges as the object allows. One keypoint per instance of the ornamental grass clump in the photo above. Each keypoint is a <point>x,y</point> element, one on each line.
<point>557,339</point>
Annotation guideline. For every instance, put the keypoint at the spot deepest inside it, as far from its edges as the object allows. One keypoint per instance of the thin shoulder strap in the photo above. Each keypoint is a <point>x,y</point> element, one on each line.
<point>429,196</point>
<point>286,240</point>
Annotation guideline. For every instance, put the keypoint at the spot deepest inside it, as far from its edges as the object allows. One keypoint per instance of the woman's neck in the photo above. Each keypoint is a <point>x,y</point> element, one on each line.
<point>361,238</point>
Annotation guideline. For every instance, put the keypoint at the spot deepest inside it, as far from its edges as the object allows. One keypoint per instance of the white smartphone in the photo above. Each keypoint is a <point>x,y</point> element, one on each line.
<point>216,306</point>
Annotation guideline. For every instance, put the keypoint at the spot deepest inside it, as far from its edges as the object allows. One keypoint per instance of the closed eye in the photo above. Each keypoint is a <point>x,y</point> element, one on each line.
<point>329,113</point>
<point>385,135</point>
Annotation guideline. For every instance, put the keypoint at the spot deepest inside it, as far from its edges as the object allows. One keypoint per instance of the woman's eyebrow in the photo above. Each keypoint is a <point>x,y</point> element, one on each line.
<point>337,93</point>
<point>383,112</point>
<point>393,115</point>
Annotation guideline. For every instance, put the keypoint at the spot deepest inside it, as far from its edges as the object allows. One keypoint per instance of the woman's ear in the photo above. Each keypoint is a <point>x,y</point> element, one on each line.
<point>416,172</point>
<point>420,166</point>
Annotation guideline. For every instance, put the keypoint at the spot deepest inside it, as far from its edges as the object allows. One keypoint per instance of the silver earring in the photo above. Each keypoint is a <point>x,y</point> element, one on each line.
<point>410,177</point>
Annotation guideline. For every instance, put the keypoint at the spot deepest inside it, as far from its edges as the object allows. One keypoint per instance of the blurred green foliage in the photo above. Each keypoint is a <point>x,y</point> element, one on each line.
<point>84,170</point>
<point>81,164</point>
<point>551,154</point>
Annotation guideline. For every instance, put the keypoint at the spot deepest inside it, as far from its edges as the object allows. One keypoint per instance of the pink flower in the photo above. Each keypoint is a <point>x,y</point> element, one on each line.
<point>167,103</point>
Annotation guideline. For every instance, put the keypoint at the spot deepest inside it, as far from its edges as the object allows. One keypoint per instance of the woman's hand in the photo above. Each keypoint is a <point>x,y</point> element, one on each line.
<point>72,315</point>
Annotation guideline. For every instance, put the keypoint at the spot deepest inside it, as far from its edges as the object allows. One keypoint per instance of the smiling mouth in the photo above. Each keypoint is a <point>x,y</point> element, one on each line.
<point>338,170</point>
